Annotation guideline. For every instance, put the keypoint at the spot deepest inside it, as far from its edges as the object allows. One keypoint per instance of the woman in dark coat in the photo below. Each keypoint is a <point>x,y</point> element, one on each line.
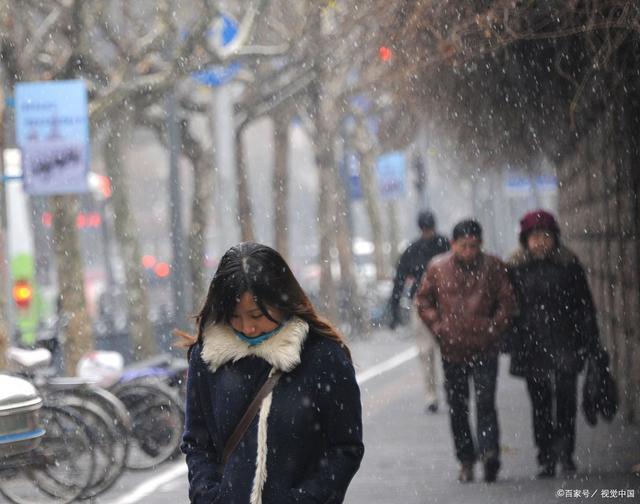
<point>305,443</point>
<point>551,337</point>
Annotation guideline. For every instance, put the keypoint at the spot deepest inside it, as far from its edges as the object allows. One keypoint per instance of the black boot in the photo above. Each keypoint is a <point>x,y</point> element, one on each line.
<point>547,470</point>
<point>568,466</point>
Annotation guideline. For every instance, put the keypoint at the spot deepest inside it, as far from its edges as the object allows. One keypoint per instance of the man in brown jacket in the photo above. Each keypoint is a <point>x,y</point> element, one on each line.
<point>467,301</point>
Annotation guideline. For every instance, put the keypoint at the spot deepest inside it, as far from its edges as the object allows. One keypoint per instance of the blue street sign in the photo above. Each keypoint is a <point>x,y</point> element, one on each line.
<point>52,131</point>
<point>221,34</point>
<point>391,172</point>
<point>521,184</point>
<point>351,175</point>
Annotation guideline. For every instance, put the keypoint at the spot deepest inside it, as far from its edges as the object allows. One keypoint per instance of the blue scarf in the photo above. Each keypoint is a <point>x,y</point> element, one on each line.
<point>258,339</point>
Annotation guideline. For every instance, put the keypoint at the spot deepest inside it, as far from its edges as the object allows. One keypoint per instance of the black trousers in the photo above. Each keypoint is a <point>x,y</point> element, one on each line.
<point>554,401</point>
<point>483,371</point>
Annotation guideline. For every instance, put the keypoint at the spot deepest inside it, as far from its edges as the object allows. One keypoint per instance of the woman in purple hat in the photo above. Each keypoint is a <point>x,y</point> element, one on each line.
<point>551,337</point>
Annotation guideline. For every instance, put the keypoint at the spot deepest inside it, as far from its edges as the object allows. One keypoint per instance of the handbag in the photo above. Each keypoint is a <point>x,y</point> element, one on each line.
<point>249,415</point>
<point>599,392</point>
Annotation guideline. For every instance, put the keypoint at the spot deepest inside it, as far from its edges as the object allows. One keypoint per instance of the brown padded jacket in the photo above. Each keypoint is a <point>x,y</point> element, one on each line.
<point>467,308</point>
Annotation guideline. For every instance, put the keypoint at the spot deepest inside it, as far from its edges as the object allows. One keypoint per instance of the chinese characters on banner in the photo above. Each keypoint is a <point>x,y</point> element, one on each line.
<point>52,131</point>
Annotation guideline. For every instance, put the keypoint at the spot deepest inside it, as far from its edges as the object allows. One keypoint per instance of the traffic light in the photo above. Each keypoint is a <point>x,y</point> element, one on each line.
<point>22,294</point>
<point>385,53</point>
<point>162,269</point>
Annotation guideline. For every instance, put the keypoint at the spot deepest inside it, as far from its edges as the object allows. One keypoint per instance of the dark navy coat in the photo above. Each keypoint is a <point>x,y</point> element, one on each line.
<point>557,326</point>
<point>313,421</point>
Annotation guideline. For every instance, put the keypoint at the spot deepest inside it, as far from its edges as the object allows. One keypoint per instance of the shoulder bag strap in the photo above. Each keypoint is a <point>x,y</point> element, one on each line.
<point>248,416</point>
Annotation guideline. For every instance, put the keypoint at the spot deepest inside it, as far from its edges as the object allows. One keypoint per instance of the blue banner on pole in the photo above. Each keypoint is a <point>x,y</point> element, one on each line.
<point>52,131</point>
<point>518,184</point>
<point>351,174</point>
<point>391,172</point>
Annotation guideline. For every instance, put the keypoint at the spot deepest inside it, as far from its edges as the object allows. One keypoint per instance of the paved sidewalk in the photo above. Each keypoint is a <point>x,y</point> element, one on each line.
<point>409,454</point>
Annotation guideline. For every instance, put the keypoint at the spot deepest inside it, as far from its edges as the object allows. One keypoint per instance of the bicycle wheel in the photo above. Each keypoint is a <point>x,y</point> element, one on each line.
<point>158,422</point>
<point>110,450</point>
<point>112,405</point>
<point>116,410</point>
<point>170,387</point>
<point>112,423</point>
<point>60,468</point>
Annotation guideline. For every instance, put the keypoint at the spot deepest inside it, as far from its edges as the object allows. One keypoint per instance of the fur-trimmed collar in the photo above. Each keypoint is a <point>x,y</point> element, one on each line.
<point>282,351</point>
<point>561,256</point>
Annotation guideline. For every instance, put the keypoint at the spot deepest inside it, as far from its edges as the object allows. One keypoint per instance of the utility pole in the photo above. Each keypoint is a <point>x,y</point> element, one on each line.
<point>7,140</point>
<point>5,316</point>
<point>225,157</point>
<point>175,212</point>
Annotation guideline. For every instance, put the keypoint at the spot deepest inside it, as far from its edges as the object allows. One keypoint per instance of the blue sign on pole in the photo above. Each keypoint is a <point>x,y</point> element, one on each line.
<point>391,172</point>
<point>522,184</point>
<point>52,131</point>
<point>350,172</point>
<point>221,34</point>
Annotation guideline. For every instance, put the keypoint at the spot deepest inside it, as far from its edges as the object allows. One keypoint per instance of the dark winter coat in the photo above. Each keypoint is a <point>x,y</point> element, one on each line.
<point>557,322</point>
<point>304,445</point>
<point>467,308</point>
<point>412,264</point>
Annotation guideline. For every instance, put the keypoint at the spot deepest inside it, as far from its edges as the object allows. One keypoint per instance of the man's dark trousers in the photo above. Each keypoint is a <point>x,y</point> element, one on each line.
<point>484,371</point>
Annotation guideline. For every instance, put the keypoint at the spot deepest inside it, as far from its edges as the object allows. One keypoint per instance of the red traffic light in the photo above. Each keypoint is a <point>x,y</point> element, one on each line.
<point>22,293</point>
<point>162,269</point>
<point>385,53</point>
<point>148,261</point>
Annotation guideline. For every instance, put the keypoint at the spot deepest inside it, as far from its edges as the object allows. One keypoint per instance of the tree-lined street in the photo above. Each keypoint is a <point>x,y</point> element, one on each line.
<point>409,454</point>
<point>141,140</point>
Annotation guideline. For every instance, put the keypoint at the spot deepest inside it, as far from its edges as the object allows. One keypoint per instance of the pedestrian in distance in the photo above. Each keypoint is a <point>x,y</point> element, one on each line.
<point>554,332</point>
<point>411,266</point>
<point>467,301</point>
<point>258,331</point>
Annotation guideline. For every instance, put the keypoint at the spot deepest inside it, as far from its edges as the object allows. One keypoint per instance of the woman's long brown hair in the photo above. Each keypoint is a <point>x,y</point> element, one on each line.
<point>260,270</point>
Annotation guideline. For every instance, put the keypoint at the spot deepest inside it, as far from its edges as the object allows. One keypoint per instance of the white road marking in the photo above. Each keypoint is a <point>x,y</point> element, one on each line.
<point>387,365</point>
<point>174,471</point>
<point>179,469</point>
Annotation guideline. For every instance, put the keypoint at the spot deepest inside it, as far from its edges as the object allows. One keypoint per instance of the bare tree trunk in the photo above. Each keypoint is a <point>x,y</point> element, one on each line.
<point>332,209</point>
<point>72,308</point>
<point>356,316</point>
<point>328,298</point>
<point>202,161</point>
<point>323,154</point>
<point>281,182</point>
<point>367,152</point>
<point>393,231</point>
<point>245,214</point>
<point>140,328</point>
<point>370,192</point>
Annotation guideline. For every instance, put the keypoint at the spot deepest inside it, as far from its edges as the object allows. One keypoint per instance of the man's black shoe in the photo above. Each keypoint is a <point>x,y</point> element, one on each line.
<point>491,468</point>
<point>466,472</point>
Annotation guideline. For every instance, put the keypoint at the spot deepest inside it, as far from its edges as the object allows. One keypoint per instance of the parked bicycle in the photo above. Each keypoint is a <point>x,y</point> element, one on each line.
<point>153,393</point>
<point>46,453</point>
<point>105,418</point>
